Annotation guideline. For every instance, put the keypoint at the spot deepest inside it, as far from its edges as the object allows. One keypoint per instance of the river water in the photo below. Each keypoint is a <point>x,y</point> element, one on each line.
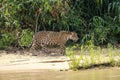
<point>92,74</point>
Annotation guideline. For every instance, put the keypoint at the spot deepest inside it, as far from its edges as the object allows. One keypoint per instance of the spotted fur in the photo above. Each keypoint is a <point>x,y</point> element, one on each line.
<point>43,39</point>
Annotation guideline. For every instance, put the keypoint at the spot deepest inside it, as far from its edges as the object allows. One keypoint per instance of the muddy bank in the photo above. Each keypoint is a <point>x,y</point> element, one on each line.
<point>20,61</point>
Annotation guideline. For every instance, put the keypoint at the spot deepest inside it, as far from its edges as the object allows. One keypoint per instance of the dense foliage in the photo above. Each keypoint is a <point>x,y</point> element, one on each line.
<point>99,19</point>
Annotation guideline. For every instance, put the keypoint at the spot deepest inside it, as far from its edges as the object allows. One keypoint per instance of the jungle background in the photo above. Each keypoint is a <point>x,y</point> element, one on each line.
<point>96,19</point>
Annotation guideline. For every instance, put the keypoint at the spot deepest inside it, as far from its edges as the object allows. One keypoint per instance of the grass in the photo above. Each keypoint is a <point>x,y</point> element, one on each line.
<point>90,56</point>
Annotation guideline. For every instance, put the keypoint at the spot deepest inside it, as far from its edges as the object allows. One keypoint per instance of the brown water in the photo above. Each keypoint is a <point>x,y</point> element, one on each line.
<point>94,74</point>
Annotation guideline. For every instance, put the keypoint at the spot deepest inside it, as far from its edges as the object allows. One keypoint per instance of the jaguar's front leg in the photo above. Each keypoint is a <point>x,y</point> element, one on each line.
<point>62,48</point>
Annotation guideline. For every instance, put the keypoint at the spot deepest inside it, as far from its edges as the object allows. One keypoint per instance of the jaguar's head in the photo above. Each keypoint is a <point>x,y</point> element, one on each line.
<point>73,36</point>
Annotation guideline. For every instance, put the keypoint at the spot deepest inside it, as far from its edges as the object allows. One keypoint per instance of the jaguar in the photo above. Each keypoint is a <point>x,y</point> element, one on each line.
<point>42,39</point>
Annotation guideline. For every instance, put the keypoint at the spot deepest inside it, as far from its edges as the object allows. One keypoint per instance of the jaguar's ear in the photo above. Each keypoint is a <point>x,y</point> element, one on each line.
<point>72,33</point>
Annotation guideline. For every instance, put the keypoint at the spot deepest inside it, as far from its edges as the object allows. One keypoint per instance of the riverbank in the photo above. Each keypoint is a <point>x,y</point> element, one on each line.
<point>20,61</point>
<point>16,61</point>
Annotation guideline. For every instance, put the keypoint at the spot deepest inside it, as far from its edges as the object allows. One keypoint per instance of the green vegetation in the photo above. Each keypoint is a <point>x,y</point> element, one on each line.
<point>26,39</point>
<point>91,56</point>
<point>86,17</point>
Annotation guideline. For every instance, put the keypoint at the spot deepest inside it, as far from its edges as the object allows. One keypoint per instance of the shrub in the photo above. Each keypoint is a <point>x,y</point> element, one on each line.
<point>26,38</point>
<point>7,39</point>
